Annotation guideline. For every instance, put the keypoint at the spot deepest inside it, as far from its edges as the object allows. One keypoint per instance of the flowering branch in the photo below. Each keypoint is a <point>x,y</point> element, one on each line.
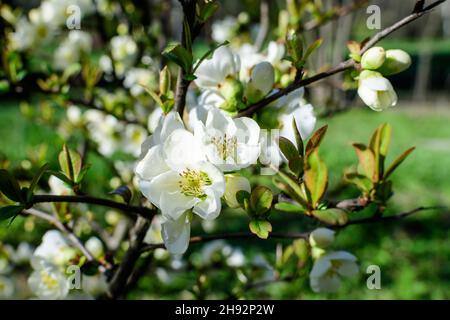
<point>348,64</point>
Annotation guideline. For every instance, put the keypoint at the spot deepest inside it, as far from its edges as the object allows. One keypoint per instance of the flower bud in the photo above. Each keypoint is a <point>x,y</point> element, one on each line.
<point>396,61</point>
<point>261,82</point>
<point>373,58</point>
<point>164,81</point>
<point>232,90</point>
<point>233,185</point>
<point>95,246</point>
<point>376,91</point>
<point>321,237</point>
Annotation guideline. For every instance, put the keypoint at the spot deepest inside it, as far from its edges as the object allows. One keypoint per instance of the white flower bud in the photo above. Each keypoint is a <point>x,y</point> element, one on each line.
<point>321,237</point>
<point>373,58</point>
<point>376,91</point>
<point>233,185</point>
<point>261,81</point>
<point>95,246</point>
<point>396,61</point>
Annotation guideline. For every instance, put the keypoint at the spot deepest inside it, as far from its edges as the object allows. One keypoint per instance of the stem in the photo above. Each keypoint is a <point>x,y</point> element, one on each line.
<point>127,209</point>
<point>342,66</point>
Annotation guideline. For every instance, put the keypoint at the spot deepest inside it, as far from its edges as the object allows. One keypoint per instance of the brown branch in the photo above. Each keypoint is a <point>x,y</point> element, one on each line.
<point>299,235</point>
<point>342,66</point>
<point>129,210</point>
<point>64,229</point>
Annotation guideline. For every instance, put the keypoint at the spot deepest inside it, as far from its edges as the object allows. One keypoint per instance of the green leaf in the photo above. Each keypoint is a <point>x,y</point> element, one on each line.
<point>316,139</point>
<point>154,95</point>
<point>124,192</point>
<point>243,198</point>
<point>37,177</point>
<point>359,180</point>
<point>398,162</point>
<point>298,138</point>
<point>289,207</point>
<point>70,162</point>
<point>296,165</point>
<point>331,216</point>
<point>292,188</point>
<point>261,228</point>
<point>10,212</point>
<point>10,187</point>
<point>208,54</point>
<point>367,164</point>
<point>379,144</point>
<point>313,47</point>
<point>82,173</point>
<point>287,148</point>
<point>261,200</point>
<point>176,53</point>
<point>316,177</point>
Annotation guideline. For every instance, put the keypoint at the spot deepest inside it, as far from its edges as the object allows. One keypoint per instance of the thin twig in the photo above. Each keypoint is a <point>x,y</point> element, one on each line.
<point>263,24</point>
<point>348,64</point>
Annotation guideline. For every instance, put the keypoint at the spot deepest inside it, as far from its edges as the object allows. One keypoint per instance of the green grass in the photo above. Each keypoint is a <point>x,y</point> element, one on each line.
<point>413,254</point>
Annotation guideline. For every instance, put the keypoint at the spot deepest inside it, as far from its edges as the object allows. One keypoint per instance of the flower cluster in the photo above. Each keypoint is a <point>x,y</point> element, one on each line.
<point>374,89</point>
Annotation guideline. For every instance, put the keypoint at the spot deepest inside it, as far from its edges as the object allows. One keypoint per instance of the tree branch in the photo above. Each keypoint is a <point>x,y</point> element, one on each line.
<point>299,235</point>
<point>342,66</point>
<point>130,210</point>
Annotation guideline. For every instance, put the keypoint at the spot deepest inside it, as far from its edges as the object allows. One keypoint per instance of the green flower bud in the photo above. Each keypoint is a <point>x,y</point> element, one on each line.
<point>233,91</point>
<point>396,61</point>
<point>373,58</point>
<point>321,237</point>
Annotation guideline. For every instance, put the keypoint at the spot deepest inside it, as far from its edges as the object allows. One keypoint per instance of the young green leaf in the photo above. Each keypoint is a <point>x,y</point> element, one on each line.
<point>298,138</point>
<point>176,53</point>
<point>208,54</point>
<point>261,228</point>
<point>316,177</point>
<point>316,139</point>
<point>289,207</point>
<point>38,177</point>
<point>398,162</point>
<point>243,198</point>
<point>362,182</point>
<point>367,164</point>
<point>287,148</point>
<point>261,200</point>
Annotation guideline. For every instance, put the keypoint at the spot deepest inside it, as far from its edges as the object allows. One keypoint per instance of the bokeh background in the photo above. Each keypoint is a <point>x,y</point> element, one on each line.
<point>413,254</point>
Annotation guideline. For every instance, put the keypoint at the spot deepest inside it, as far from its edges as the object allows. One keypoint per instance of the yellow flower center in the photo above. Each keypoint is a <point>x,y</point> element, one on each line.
<point>226,146</point>
<point>49,281</point>
<point>192,182</point>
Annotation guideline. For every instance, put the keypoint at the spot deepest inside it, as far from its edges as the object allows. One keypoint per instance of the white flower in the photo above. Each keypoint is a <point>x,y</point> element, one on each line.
<point>74,115</point>
<point>94,285</point>
<point>396,62</point>
<point>305,120</point>
<point>327,271</point>
<point>249,57</point>
<point>291,101</point>
<point>22,254</point>
<point>24,35</point>
<point>138,78</point>
<point>233,185</point>
<point>376,91</point>
<point>95,246</point>
<point>174,175</point>
<point>213,72</point>
<point>230,144</point>
<point>72,48</point>
<point>321,237</point>
<point>47,281</point>
<point>6,288</point>
<point>153,119</point>
<point>54,248</point>
<point>223,30</point>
